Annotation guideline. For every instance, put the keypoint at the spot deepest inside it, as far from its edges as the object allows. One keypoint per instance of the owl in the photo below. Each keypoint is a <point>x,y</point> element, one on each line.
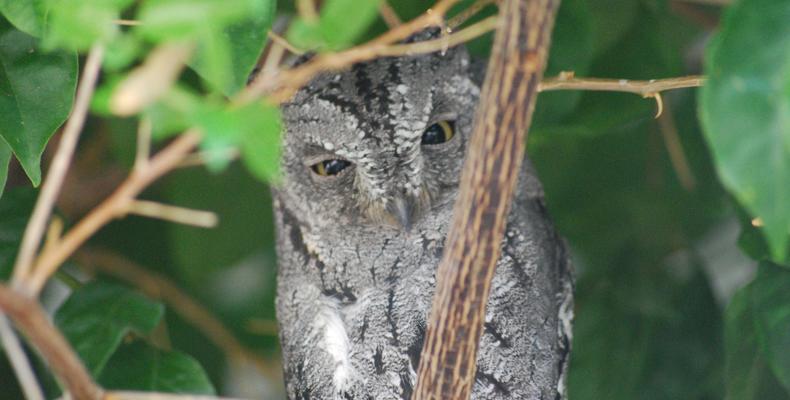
<point>371,163</point>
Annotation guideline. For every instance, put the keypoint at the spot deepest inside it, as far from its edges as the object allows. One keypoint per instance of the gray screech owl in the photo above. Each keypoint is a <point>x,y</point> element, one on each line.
<point>371,166</point>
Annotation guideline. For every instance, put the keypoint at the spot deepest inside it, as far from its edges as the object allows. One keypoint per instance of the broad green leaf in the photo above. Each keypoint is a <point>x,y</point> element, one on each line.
<point>241,44</point>
<point>341,23</point>
<point>15,209</point>
<point>164,20</point>
<point>260,146</point>
<point>78,24</point>
<point>771,303</point>
<point>745,110</point>
<point>5,158</point>
<point>97,317</point>
<point>36,93</point>
<point>27,15</point>
<point>141,367</point>
<point>747,375</point>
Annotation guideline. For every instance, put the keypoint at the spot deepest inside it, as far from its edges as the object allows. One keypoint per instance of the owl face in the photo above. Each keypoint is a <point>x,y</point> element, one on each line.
<point>379,145</point>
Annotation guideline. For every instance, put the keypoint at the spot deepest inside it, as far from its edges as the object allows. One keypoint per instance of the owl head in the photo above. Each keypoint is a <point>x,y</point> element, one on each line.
<point>380,145</point>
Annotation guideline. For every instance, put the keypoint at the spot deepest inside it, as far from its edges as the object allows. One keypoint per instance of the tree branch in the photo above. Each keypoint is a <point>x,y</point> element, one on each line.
<point>16,355</point>
<point>60,164</point>
<point>112,207</point>
<point>566,81</point>
<point>488,181</point>
<point>31,319</point>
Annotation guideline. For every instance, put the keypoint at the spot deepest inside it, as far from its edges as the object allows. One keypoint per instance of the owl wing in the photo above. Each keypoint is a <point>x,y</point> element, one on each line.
<point>312,334</point>
<point>526,339</point>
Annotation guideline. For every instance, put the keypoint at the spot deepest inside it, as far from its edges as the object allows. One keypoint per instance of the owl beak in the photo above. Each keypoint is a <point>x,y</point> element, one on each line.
<point>401,211</point>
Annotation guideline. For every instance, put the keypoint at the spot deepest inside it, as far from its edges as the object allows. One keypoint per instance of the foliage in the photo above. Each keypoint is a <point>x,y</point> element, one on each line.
<point>652,318</point>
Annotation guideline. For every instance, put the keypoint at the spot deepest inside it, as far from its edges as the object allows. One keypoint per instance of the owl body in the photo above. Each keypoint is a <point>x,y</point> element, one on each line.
<point>362,215</point>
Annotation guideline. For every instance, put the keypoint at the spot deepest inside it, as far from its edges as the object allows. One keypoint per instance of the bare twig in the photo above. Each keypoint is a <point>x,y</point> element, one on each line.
<point>288,81</point>
<point>276,38</point>
<point>566,81</point>
<point>114,206</point>
<point>468,12</point>
<point>293,79</point>
<point>60,164</point>
<point>127,22</point>
<point>143,144</point>
<point>31,319</point>
<point>159,287</point>
<point>179,215</point>
<point>146,83</point>
<point>388,14</point>
<point>307,10</point>
<point>488,181</point>
<point>666,124</point>
<point>200,158</point>
<point>20,363</point>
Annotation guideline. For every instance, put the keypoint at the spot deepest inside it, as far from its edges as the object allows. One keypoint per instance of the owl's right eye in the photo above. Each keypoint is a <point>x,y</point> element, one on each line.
<point>330,167</point>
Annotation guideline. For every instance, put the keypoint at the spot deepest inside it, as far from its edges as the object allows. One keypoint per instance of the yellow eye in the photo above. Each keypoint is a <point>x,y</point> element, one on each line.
<point>439,132</point>
<point>329,167</point>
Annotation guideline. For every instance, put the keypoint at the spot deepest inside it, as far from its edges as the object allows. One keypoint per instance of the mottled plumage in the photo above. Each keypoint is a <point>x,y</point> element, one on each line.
<point>358,250</point>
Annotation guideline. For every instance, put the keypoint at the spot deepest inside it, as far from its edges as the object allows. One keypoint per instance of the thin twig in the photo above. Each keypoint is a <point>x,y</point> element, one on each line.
<point>293,79</point>
<point>289,81</point>
<point>669,131</point>
<point>31,319</point>
<point>143,152</point>
<point>179,215</point>
<point>468,12</point>
<point>112,207</point>
<point>159,287</point>
<point>284,43</point>
<point>60,164</point>
<point>567,81</point>
<point>18,359</point>
<point>127,22</point>
<point>389,15</point>
<point>307,10</point>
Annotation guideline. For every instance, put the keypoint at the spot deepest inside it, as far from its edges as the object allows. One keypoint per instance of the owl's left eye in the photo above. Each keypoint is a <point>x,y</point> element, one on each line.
<point>330,167</point>
<point>439,132</point>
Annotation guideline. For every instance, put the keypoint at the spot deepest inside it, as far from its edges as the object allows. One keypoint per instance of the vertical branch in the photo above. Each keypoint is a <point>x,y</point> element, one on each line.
<point>20,363</point>
<point>60,164</point>
<point>488,180</point>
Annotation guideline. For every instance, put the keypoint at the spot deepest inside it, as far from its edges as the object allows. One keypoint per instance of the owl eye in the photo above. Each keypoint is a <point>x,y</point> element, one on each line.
<point>330,167</point>
<point>439,132</point>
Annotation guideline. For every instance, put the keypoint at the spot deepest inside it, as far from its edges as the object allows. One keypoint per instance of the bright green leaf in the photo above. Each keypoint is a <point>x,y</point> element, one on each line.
<point>771,303</point>
<point>163,20</point>
<point>78,24</point>
<point>27,15</point>
<point>747,375</point>
<point>745,110</point>
<point>340,24</point>
<point>260,147</point>
<point>141,367</point>
<point>36,92</point>
<point>15,209</point>
<point>241,44</point>
<point>98,316</point>
<point>5,158</point>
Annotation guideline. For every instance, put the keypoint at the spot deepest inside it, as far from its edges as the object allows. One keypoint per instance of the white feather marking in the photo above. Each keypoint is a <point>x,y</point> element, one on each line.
<point>336,344</point>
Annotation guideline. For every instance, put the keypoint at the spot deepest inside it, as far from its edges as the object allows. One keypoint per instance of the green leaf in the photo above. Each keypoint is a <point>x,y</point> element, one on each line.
<point>27,15</point>
<point>745,110</point>
<point>240,44</point>
<point>260,146</point>
<point>98,316</point>
<point>142,367</point>
<point>771,302</point>
<point>36,92</point>
<point>747,376</point>
<point>15,209</point>
<point>164,20</point>
<point>336,28</point>
<point>5,158</point>
<point>78,24</point>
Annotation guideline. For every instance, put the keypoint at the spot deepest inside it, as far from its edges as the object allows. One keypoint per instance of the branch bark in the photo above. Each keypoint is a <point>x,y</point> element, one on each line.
<point>488,180</point>
<point>31,319</point>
